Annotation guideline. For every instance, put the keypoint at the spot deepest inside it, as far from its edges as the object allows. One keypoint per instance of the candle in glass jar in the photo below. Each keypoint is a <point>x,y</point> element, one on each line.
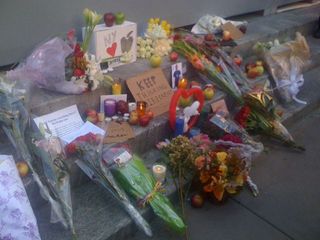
<point>109,107</point>
<point>183,83</point>
<point>116,88</point>
<point>141,108</point>
<point>159,172</point>
<point>132,106</point>
<point>100,116</point>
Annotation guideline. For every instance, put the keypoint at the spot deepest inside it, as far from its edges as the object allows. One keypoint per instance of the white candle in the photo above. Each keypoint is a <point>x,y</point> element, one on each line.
<point>159,172</point>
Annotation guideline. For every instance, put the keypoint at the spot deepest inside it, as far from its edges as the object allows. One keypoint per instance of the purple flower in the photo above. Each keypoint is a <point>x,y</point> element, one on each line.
<point>7,237</point>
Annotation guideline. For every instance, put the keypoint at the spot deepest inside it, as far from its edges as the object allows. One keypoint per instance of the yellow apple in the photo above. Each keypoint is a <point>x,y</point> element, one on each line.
<point>23,168</point>
<point>155,61</point>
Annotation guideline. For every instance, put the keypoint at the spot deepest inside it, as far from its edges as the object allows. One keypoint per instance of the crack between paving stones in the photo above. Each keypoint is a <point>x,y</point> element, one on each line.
<point>263,219</point>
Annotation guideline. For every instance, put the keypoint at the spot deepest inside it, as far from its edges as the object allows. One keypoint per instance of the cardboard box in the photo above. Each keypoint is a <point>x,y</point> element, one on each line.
<point>115,45</point>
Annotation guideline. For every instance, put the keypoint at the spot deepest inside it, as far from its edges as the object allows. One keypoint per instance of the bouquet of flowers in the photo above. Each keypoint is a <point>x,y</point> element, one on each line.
<point>157,39</point>
<point>221,172</point>
<point>14,119</point>
<point>88,150</point>
<point>258,116</point>
<point>55,175</point>
<point>135,179</point>
<point>260,103</point>
<point>63,65</point>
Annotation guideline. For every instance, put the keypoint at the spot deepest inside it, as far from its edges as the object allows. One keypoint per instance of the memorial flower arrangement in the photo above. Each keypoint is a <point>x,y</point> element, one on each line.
<point>157,40</point>
<point>221,172</point>
<point>215,66</point>
<point>88,150</point>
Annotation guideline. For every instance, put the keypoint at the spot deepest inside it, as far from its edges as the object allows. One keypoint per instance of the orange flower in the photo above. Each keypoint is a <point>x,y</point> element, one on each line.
<point>200,162</point>
<point>204,176</point>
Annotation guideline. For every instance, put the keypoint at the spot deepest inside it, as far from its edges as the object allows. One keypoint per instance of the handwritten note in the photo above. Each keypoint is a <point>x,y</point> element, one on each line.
<point>153,88</point>
<point>118,132</point>
<point>60,123</point>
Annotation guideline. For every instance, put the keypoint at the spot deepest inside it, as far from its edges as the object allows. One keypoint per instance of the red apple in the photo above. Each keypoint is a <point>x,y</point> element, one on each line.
<point>226,36</point>
<point>252,73</point>
<point>144,120</point>
<point>91,113</point>
<point>109,19</point>
<point>237,60</point>
<point>209,37</point>
<point>150,114</point>
<point>122,107</point>
<point>197,201</point>
<point>173,56</point>
<point>23,168</point>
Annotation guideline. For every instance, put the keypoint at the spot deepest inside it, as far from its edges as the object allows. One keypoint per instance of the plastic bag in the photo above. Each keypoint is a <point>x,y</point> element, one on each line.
<point>45,68</point>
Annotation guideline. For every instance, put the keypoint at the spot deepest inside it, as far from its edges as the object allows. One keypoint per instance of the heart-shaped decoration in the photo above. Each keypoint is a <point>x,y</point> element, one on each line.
<point>196,93</point>
<point>112,50</point>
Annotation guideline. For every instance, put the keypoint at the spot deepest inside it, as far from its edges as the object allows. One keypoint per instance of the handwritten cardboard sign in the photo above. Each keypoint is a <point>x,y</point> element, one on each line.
<point>153,88</point>
<point>234,31</point>
<point>118,132</point>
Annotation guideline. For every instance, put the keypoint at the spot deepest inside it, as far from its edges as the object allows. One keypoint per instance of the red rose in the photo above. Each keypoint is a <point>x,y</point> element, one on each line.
<point>71,148</point>
<point>78,72</point>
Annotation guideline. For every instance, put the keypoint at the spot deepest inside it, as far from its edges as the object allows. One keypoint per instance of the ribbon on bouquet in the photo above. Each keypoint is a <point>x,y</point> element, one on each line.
<point>148,198</point>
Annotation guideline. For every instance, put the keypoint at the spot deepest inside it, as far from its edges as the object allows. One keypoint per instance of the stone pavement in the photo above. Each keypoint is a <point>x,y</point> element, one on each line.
<point>288,204</point>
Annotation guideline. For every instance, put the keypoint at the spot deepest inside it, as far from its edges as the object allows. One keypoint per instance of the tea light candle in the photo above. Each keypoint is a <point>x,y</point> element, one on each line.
<point>116,88</point>
<point>109,107</point>
<point>159,172</point>
<point>100,116</point>
<point>141,108</point>
<point>183,83</point>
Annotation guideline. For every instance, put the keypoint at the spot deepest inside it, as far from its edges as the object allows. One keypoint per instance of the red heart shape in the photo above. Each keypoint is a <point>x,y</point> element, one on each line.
<point>185,93</point>
<point>112,50</point>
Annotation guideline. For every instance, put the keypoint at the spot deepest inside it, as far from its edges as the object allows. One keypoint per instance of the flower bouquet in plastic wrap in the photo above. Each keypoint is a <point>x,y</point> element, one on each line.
<point>88,151</point>
<point>53,180</point>
<point>62,65</point>
<point>133,176</point>
<point>285,63</point>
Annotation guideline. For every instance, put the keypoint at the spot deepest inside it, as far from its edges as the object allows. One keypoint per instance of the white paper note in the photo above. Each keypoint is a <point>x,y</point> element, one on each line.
<point>60,123</point>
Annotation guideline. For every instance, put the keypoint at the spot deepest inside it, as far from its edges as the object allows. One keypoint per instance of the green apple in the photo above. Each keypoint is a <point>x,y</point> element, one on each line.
<point>208,93</point>
<point>260,69</point>
<point>120,17</point>
<point>185,102</point>
<point>155,61</point>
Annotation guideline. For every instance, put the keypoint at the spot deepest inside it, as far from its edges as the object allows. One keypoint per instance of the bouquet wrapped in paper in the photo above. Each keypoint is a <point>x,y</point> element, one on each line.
<point>88,151</point>
<point>285,63</point>
<point>133,176</point>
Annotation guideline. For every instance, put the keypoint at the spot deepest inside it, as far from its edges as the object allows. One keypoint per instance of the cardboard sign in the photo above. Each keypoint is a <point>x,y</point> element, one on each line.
<point>118,132</point>
<point>153,88</point>
<point>234,31</point>
<point>220,107</point>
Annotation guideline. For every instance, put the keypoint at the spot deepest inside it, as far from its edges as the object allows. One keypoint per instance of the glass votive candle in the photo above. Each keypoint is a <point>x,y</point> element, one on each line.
<point>132,106</point>
<point>183,83</point>
<point>141,108</point>
<point>101,116</point>
<point>159,172</point>
<point>109,107</point>
<point>116,88</point>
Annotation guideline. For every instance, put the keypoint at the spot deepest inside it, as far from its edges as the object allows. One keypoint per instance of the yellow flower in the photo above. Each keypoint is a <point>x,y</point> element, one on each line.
<point>151,21</point>
<point>221,156</point>
<point>156,20</point>
<point>223,169</point>
<point>239,180</point>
